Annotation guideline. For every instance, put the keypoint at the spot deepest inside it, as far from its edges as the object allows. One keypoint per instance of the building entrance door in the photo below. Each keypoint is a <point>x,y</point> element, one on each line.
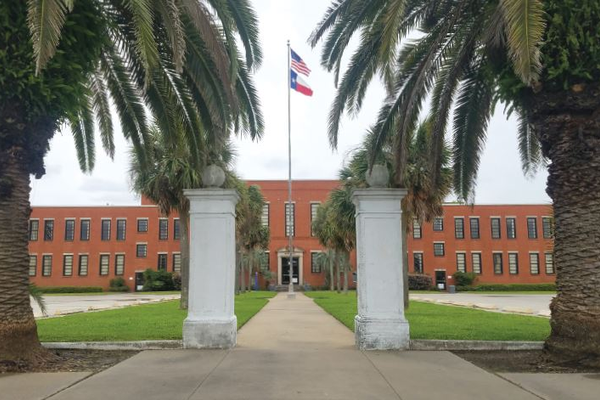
<point>139,281</point>
<point>440,280</point>
<point>285,270</point>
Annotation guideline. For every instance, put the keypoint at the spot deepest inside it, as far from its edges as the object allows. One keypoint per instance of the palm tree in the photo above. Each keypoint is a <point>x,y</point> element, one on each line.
<point>64,61</point>
<point>541,61</point>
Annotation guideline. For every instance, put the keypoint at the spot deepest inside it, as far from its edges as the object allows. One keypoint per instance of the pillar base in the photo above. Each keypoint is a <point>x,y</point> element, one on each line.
<point>210,333</point>
<point>381,333</point>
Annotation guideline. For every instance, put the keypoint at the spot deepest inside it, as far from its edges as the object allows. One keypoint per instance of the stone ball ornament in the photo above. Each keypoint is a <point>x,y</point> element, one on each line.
<point>378,177</point>
<point>213,176</point>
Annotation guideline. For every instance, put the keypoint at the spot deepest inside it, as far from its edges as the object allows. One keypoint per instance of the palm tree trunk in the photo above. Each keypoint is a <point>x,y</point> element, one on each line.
<point>405,257</point>
<point>184,215</point>
<point>250,265</point>
<point>346,265</point>
<point>242,273</point>
<point>18,331</point>
<point>338,277</point>
<point>331,267</point>
<point>568,126</point>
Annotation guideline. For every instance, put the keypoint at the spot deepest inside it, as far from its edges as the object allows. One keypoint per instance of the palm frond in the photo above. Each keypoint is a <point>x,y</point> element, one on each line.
<point>82,127</point>
<point>142,12</point>
<point>46,19</point>
<point>101,109</point>
<point>529,146</point>
<point>524,25</point>
<point>246,25</point>
<point>171,18</point>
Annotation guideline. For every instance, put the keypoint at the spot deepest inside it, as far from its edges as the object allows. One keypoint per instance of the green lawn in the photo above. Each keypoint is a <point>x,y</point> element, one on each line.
<point>502,292</point>
<point>431,321</point>
<point>160,321</point>
<point>107,293</point>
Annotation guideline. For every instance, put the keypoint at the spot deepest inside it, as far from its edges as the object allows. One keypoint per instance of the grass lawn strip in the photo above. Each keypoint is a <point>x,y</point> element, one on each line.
<point>159,321</point>
<point>167,292</point>
<point>432,321</point>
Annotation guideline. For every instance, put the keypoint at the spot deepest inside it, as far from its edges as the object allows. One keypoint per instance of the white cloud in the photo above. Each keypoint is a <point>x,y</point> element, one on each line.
<point>500,177</point>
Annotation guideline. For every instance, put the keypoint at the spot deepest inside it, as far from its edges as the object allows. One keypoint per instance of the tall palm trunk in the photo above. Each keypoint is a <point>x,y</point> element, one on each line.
<point>184,215</point>
<point>242,274</point>
<point>346,265</point>
<point>338,278</point>
<point>568,126</point>
<point>237,270</point>
<point>331,268</point>
<point>250,267</point>
<point>18,331</point>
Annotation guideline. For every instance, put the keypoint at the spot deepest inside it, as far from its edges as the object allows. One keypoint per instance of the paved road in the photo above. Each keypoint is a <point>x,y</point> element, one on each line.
<point>292,349</point>
<point>60,305</point>
<point>536,304</point>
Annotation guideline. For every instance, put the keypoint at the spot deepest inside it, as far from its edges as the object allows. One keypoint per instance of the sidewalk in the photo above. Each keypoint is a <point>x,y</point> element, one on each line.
<point>292,349</point>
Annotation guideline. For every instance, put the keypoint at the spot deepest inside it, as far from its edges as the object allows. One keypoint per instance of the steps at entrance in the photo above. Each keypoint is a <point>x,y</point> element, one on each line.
<point>284,288</point>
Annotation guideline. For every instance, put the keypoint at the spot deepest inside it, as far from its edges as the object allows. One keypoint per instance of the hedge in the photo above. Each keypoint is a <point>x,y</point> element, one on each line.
<point>512,287</point>
<point>419,282</point>
<point>70,289</point>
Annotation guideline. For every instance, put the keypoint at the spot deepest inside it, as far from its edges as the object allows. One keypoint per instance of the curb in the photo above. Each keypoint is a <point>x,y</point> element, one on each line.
<point>433,345</point>
<point>134,345</point>
<point>419,344</point>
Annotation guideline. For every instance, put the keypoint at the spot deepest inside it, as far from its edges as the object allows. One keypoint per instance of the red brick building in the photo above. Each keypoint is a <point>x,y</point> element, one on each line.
<point>89,246</point>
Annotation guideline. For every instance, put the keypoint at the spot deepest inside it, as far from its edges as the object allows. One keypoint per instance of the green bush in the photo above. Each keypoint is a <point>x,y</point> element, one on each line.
<point>118,285</point>
<point>176,281</point>
<point>419,282</point>
<point>464,279</point>
<point>70,289</point>
<point>514,287</point>
<point>155,281</point>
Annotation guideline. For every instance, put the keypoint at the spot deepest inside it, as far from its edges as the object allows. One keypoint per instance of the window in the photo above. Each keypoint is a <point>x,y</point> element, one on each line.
<point>511,228</point>
<point>84,230</point>
<point>119,264</point>
<point>176,262</point>
<point>313,216</point>
<point>438,224</point>
<point>163,229</point>
<point>474,225</point>
<point>105,234</point>
<point>265,215</point>
<point>495,228</point>
<point>547,227</point>
<point>46,265</point>
<point>532,228</point>
<point>34,229</point>
<point>534,263</point>
<point>48,229</point>
<point>417,232</point>
<point>549,263</point>
<point>176,229</point>
<point>315,265</point>
<point>121,229</point>
<point>290,223</point>
<point>461,262</point>
<point>513,263</point>
<point>418,262</point>
<point>83,264</point>
<point>162,261</point>
<point>104,264</point>
<point>32,265</point>
<point>142,225</point>
<point>438,249</point>
<point>476,262</point>
<point>69,230</point>
<point>266,262</point>
<point>68,265</point>
<point>141,250</point>
<point>497,258</point>
<point>459,228</point>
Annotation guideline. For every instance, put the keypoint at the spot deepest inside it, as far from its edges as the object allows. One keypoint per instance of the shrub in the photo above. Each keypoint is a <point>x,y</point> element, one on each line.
<point>118,285</point>
<point>70,289</point>
<point>176,281</point>
<point>419,282</point>
<point>513,287</point>
<point>464,279</point>
<point>158,280</point>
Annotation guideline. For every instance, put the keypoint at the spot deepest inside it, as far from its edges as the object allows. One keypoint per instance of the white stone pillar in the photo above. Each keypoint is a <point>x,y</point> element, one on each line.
<point>380,323</point>
<point>211,322</point>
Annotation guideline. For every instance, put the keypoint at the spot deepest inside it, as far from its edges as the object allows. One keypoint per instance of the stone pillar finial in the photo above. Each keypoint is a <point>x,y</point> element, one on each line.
<point>378,176</point>
<point>213,176</point>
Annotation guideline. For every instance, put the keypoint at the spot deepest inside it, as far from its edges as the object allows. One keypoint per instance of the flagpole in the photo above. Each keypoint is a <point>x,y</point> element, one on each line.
<point>291,209</point>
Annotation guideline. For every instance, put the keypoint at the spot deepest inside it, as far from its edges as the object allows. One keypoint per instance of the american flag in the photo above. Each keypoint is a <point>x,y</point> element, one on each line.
<point>298,64</point>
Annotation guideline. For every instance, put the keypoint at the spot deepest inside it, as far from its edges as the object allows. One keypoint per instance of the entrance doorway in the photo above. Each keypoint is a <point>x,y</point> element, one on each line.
<point>285,270</point>
<point>440,280</point>
<point>139,281</point>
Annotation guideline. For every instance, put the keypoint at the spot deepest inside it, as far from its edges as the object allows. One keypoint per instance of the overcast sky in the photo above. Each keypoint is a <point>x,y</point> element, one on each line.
<point>500,177</point>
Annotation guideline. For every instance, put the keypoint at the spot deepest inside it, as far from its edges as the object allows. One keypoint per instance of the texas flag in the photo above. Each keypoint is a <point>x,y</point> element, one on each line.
<point>297,83</point>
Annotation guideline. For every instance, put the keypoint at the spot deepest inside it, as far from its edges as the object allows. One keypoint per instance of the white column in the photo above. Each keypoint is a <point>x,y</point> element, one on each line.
<point>211,322</point>
<point>380,323</point>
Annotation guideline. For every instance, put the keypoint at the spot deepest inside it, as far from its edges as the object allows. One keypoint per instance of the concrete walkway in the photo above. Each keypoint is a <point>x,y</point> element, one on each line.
<point>292,349</point>
<point>528,304</point>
